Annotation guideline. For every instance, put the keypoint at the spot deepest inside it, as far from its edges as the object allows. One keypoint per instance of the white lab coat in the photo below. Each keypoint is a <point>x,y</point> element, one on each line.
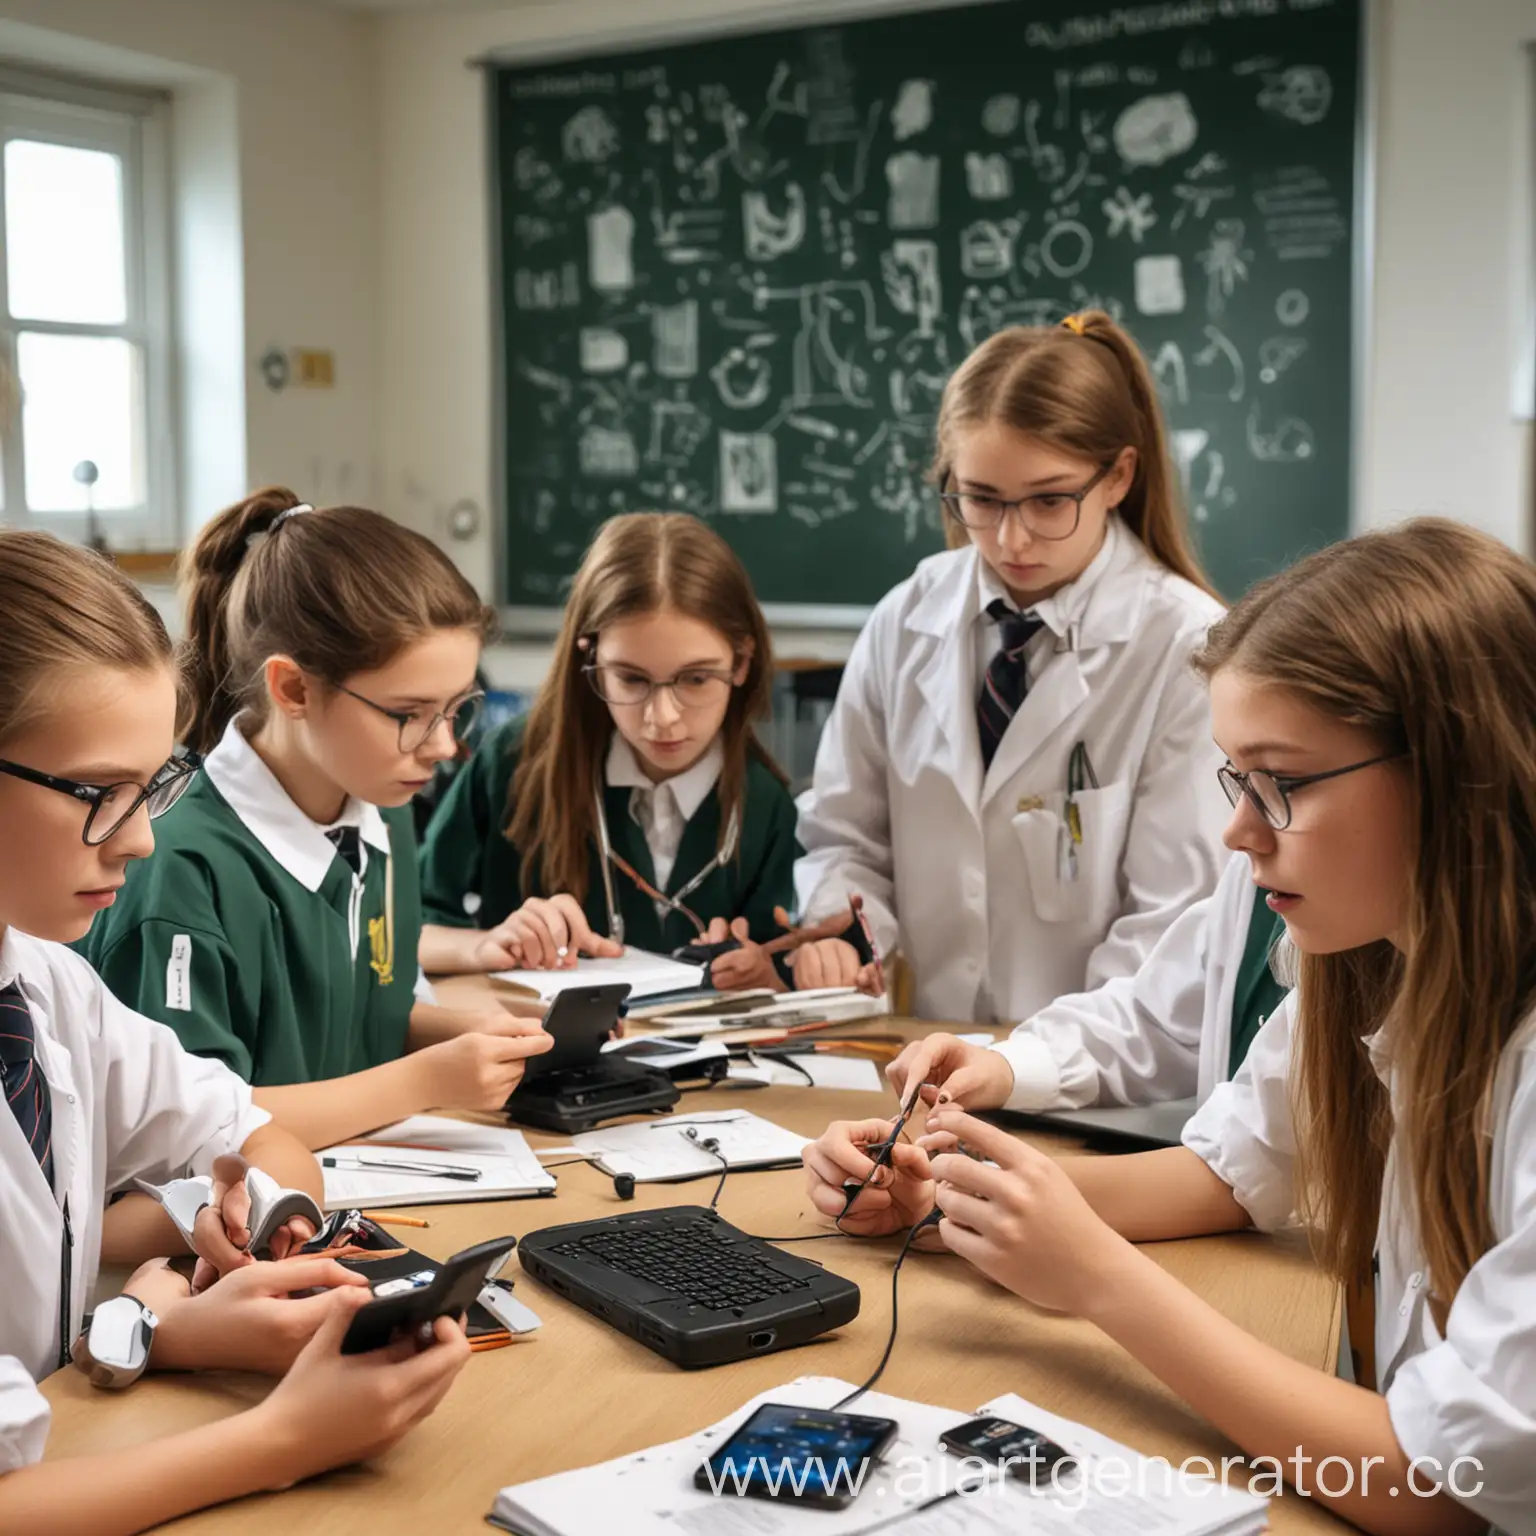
<point>963,869</point>
<point>128,1102</point>
<point>1469,1393</point>
<point>1163,1033</point>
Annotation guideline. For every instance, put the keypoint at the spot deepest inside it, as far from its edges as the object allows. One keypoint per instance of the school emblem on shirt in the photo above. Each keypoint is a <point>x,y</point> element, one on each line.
<point>381,949</point>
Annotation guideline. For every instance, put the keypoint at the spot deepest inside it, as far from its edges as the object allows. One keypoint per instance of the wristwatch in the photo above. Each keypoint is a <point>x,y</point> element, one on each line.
<point>113,1347</point>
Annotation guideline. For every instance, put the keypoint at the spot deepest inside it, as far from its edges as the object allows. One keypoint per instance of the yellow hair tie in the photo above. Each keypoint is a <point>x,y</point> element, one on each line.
<point>1075,324</point>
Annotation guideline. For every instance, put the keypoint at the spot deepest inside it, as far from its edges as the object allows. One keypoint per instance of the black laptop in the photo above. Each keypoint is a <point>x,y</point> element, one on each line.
<point>688,1284</point>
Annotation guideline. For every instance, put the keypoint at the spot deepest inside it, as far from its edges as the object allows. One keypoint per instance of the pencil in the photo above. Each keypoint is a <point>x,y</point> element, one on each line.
<point>389,1219</point>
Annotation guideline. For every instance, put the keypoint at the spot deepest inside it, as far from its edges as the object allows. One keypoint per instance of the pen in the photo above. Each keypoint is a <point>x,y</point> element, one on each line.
<point>428,1170</point>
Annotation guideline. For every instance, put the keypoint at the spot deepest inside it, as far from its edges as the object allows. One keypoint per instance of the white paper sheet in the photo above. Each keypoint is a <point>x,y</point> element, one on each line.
<point>656,1150</point>
<point>846,1072</point>
<point>508,1167</point>
<point>645,973</point>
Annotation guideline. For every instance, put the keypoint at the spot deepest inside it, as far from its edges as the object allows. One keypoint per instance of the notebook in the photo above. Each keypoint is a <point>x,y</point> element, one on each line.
<point>501,1156</point>
<point>655,1151</point>
<point>918,1488</point>
<point>645,975</point>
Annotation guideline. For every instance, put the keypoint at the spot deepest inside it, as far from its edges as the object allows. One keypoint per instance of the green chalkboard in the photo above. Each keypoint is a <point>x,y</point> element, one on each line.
<point>736,271</point>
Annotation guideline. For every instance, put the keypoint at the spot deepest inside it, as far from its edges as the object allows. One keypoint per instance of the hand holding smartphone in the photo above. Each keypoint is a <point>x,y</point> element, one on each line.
<point>412,1303</point>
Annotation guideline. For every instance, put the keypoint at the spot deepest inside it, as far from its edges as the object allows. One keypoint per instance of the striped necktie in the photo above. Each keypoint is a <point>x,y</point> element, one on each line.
<point>1006,682</point>
<point>25,1088</point>
<point>349,844</point>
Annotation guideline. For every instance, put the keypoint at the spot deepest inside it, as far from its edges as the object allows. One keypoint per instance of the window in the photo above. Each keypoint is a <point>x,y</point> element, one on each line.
<point>85,418</point>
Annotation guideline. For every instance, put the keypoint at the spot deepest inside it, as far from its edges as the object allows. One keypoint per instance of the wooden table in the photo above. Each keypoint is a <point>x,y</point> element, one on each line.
<point>578,1392</point>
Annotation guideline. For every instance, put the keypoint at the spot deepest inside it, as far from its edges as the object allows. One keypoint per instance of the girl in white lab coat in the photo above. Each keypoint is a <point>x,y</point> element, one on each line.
<point>1013,776</point>
<point>96,1096</point>
<point>1377,705</point>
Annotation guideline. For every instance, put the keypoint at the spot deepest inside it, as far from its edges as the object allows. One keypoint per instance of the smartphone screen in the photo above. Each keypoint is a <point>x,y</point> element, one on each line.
<point>1025,1453</point>
<point>810,1454</point>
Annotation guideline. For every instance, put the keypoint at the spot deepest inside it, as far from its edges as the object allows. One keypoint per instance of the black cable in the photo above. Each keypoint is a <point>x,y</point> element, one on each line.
<point>710,1145</point>
<point>929,1220</point>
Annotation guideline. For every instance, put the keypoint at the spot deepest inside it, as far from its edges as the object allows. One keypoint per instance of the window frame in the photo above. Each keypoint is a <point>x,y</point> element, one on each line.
<point>136,128</point>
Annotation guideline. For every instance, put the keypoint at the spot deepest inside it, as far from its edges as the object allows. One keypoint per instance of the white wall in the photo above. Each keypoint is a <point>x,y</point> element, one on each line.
<point>278,132</point>
<point>1447,318</point>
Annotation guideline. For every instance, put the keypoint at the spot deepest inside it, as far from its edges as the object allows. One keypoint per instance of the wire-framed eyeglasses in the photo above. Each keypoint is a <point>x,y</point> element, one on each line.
<point>1046,515</point>
<point>695,688</point>
<point>416,728</point>
<point>112,806</point>
<point>1270,793</point>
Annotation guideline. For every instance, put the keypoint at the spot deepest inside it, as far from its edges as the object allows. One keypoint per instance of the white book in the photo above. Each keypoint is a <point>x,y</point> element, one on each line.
<point>655,1151</point>
<point>917,1487</point>
<point>647,975</point>
<point>506,1165</point>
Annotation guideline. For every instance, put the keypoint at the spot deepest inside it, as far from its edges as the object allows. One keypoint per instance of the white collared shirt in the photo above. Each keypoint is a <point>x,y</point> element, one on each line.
<point>128,1102</point>
<point>1058,611</point>
<point>1467,1394</point>
<point>662,811</point>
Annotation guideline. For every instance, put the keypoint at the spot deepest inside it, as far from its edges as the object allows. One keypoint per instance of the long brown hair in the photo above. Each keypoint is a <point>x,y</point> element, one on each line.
<point>1083,388</point>
<point>1422,635</point>
<point>66,609</point>
<point>639,563</point>
<point>341,591</point>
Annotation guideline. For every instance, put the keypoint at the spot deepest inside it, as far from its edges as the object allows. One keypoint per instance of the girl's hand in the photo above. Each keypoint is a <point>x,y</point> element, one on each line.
<point>899,1196</point>
<point>833,963</point>
<point>221,1235</point>
<point>1024,1223</point>
<point>248,1322</point>
<point>968,1076</point>
<point>742,968</point>
<point>478,1071</point>
<point>548,935</point>
<point>332,1409</point>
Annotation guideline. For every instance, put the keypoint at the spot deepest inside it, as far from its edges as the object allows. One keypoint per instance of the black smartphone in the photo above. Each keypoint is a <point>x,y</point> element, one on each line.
<point>1023,1453</point>
<point>419,1298</point>
<point>812,1455</point>
<point>580,1019</point>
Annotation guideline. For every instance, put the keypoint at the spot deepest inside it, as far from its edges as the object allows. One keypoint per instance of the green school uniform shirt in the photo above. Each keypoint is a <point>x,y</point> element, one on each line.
<point>1257,994</point>
<point>248,934</point>
<point>472,875</point>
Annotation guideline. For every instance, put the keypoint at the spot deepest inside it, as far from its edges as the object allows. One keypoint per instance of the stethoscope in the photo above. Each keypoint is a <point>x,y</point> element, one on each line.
<point>611,860</point>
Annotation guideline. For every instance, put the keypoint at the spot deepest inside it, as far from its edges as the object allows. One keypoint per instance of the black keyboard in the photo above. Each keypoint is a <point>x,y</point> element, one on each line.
<point>704,1262</point>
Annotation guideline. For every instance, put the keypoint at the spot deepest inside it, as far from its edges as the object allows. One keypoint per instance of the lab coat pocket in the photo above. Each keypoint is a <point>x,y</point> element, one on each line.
<point>1084,891</point>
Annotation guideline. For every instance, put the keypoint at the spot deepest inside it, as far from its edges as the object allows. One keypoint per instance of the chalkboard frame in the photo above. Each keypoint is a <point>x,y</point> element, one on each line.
<point>535,622</point>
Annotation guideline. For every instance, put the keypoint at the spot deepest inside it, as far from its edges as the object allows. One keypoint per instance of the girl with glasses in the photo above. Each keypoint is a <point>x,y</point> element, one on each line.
<point>635,804</point>
<point>1376,706</point>
<point>94,1096</point>
<point>331,659</point>
<point>1016,772</point>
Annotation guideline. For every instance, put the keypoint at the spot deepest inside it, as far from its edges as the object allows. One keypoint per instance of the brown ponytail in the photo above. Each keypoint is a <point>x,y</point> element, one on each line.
<point>341,591</point>
<point>66,609</point>
<point>1082,387</point>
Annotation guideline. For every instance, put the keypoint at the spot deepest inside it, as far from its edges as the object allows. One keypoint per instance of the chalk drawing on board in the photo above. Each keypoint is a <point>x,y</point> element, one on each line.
<point>1083,175</point>
<point>1047,159</point>
<point>912,113</point>
<point>602,350</point>
<point>610,250</point>
<point>987,249</point>
<point>1066,249</point>
<point>743,377</point>
<point>545,379</point>
<point>910,270</point>
<point>590,137</point>
<point>533,173</point>
<point>683,234</point>
<point>1084,297</point>
<point>1156,129</point>
<point>814,426</point>
<point>1219,347</point>
<point>1188,443</point>
<point>675,338</point>
<point>1256,66</point>
<point>988,178</point>
<point>1000,116</point>
<point>770,234</point>
<point>1302,216</point>
<point>1129,214</point>
<point>858,179</point>
<point>918,377</point>
<point>607,453</point>
<point>678,429</point>
<point>839,321</point>
<point>1197,199</point>
<point>1171,374</point>
<point>1278,354</point>
<point>1160,285</point>
<point>530,229</point>
<point>1301,94</point>
<point>897,490</point>
<point>1225,261</point>
<point>749,472</point>
<point>1292,307</point>
<point>913,180</point>
<point>831,117</point>
<point>1196,54</point>
<point>550,288</point>
<point>1289,442</point>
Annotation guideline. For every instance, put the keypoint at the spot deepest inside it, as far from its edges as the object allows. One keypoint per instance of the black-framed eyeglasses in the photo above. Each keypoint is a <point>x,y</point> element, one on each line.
<point>416,729</point>
<point>112,806</point>
<point>697,688</point>
<point>1270,793</point>
<point>1046,514</point>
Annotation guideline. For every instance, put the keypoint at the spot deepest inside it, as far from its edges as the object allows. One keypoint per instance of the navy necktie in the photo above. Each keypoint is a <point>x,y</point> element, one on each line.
<point>1006,682</point>
<point>349,844</point>
<point>26,1091</point>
